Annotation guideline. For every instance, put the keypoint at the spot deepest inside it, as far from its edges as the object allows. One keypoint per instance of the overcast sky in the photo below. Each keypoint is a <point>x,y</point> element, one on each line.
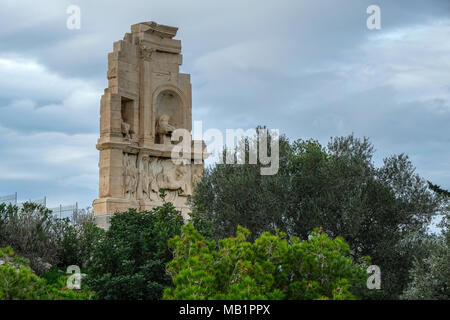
<point>310,68</point>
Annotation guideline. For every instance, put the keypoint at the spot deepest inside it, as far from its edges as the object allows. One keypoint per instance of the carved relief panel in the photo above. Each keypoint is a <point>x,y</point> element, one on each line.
<point>145,176</point>
<point>131,175</point>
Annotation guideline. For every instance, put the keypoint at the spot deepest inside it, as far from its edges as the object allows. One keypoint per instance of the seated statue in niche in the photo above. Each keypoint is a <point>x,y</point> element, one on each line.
<point>164,129</point>
<point>127,132</point>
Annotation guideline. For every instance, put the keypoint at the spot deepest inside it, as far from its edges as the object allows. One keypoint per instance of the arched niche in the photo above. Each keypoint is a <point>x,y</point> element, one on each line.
<point>168,102</point>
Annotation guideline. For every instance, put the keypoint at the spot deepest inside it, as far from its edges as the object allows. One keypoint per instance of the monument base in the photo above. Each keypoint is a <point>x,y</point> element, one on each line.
<point>108,206</point>
<point>104,208</point>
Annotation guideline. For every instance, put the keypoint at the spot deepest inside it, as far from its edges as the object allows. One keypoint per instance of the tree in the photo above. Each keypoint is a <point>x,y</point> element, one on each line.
<point>336,187</point>
<point>231,194</point>
<point>129,262</point>
<point>272,267</point>
<point>438,189</point>
<point>431,275</point>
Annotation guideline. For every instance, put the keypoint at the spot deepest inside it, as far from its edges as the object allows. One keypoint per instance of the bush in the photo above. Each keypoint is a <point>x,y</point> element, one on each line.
<point>79,241</point>
<point>34,233</point>
<point>18,282</point>
<point>129,262</point>
<point>273,267</point>
<point>45,240</point>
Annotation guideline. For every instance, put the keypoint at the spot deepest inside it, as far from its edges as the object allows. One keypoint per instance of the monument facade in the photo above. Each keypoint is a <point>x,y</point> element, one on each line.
<point>142,112</point>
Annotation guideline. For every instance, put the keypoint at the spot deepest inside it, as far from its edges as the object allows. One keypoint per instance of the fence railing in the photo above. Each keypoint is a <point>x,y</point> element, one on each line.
<point>42,201</point>
<point>9,199</point>
<point>65,211</point>
<point>61,211</point>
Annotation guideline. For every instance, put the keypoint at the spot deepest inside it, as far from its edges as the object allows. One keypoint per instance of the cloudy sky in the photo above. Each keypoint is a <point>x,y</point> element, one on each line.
<point>310,68</point>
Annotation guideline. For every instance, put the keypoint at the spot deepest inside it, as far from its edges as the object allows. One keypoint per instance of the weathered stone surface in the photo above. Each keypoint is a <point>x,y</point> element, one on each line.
<point>146,100</point>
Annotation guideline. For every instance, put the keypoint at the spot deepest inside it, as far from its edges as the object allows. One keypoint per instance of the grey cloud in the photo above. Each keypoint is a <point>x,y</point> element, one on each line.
<point>309,68</point>
<point>42,164</point>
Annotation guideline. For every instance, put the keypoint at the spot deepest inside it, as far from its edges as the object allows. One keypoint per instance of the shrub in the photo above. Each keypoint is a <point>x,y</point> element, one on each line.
<point>45,240</point>
<point>129,263</point>
<point>272,267</point>
<point>78,241</point>
<point>18,282</point>
<point>34,233</point>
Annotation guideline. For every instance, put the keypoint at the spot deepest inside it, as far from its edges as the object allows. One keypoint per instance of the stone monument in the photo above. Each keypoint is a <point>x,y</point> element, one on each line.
<point>147,101</point>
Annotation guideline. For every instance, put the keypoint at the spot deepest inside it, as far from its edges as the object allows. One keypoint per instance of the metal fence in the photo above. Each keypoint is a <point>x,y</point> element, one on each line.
<point>9,199</point>
<point>42,201</point>
<point>65,211</point>
<point>62,211</point>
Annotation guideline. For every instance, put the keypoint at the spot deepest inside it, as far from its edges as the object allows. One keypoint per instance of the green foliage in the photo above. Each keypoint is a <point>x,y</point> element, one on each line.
<point>78,243</point>
<point>129,262</point>
<point>272,267</point>
<point>18,282</point>
<point>337,187</point>
<point>33,232</point>
<point>438,189</point>
<point>46,240</point>
<point>431,275</point>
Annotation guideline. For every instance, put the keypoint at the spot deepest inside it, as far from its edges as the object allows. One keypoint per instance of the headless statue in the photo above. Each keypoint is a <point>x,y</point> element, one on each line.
<point>126,130</point>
